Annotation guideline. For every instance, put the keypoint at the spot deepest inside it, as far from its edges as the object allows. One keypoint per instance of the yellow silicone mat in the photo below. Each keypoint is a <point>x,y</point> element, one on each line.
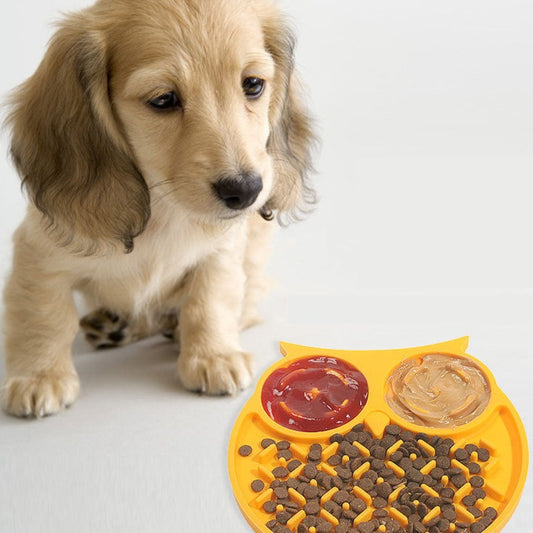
<point>498,430</point>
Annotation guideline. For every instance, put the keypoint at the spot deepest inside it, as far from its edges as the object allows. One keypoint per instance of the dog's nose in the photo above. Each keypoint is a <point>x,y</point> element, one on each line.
<point>239,191</point>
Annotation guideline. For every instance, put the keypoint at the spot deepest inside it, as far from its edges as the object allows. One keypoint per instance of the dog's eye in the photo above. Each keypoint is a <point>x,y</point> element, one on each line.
<point>168,100</point>
<point>253,87</point>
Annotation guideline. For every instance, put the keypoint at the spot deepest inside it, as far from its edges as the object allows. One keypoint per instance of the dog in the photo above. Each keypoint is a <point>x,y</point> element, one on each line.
<point>156,141</point>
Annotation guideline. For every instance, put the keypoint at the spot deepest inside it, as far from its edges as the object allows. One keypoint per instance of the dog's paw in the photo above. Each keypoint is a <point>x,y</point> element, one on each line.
<point>105,329</point>
<point>216,374</point>
<point>39,395</point>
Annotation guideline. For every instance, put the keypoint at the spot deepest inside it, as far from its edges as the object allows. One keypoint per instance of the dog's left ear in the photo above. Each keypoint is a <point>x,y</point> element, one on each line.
<point>291,135</point>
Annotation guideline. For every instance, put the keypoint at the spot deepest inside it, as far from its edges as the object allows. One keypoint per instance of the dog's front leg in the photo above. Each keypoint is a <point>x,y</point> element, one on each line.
<point>40,325</point>
<point>211,359</point>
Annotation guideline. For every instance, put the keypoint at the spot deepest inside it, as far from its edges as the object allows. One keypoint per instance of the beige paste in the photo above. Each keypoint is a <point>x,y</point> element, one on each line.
<point>438,390</point>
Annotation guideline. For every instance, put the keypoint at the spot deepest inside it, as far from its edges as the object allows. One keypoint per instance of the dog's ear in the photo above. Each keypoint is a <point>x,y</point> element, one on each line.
<point>68,148</point>
<point>291,134</point>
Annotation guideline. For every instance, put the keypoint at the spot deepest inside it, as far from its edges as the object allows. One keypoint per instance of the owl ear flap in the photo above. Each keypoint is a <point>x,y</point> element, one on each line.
<point>67,147</point>
<point>291,133</point>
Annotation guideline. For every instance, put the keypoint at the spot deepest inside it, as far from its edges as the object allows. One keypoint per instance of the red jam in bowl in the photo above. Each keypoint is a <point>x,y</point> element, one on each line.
<point>314,394</point>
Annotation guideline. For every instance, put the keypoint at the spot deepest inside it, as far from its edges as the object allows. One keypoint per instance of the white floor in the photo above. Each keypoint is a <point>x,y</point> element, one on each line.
<point>423,234</point>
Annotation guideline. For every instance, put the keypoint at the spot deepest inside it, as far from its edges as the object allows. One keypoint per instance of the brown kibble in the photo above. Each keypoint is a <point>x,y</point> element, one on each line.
<point>379,502</point>
<point>285,454</point>
<point>310,492</point>
<point>477,481</point>
<point>471,448</point>
<point>449,514</point>
<point>312,507</point>
<point>474,511</point>
<point>443,462</point>
<point>366,527</point>
<point>283,517</point>
<point>384,489</point>
<point>483,454</point>
<point>272,525</point>
<point>258,485</point>
<point>477,527</point>
<point>469,500</point>
<point>474,468</point>
<point>280,472</point>
<point>458,480</point>
<point>479,493</point>
<point>462,455</point>
<point>310,471</point>
<point>437,473</point>
<point>357,505</point>
<point>283,445</point>
<point>281,493</point>
<point>293,465</point>
<point>491,513</point>
<point>334,460</point>
<point>270,506</point>
<point>245,450</point>
<point>265,443</point>
<point>393,429</point>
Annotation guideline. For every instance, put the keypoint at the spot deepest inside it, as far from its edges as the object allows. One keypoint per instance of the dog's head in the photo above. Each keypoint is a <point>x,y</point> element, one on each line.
<point>192,102</point>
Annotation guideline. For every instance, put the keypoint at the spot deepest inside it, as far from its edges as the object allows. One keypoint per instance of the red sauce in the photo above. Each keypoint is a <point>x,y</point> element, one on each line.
<point>314,394</point>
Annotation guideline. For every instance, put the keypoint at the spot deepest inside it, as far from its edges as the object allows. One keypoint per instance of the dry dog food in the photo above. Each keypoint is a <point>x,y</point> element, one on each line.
<point>403,482</point>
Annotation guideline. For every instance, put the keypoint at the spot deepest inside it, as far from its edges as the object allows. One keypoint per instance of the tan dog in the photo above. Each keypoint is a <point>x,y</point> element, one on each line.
<point>150,140</point>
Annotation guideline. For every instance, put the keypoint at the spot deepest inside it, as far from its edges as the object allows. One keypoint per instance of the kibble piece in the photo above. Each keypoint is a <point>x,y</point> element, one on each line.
<point>310,471</point>
<point>272,525</point>
<point>334,460</point>
<point>447,492</point>
<point>491,513</point>
<point>245,450</point>
<point>283,445</point>
<point>393,429</point>
<point>474,468</point>
<point>474,511</point>
<point>477,481</point>
<point>293,465</point>
<point>462,455</point>
<point>270,506</point>
<point>366,527</point>
<point>443,462</point>
<point>281,493</point>
<point>469,500</point>
<point>449,514</point>
<point>477,527</point>
<point>336,437</point>
<point>265,443</point>
<point>379,502</point>
<point>257,485</point>
<point>285,454</point>
<point>458,480</point>
<point>323,526</point>
<point>314,456</point>
<point>310,492</point>
<point>419,463</point>
<point>384,489</point>
<point>479,493</point>
<point>283,517</point>
<point>280,472</point>
<point>437,473</point>
<point>483,454</point>
<point>312,507</point>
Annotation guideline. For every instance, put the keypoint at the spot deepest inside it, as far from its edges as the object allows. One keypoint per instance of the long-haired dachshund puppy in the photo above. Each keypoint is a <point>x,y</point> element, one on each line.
<point>156,141</point>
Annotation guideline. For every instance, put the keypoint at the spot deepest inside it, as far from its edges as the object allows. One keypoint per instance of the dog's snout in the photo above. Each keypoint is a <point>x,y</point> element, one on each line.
<point>239,191</point>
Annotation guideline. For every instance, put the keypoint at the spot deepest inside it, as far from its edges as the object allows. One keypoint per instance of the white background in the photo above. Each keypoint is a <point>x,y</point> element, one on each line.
<point>425,110</point>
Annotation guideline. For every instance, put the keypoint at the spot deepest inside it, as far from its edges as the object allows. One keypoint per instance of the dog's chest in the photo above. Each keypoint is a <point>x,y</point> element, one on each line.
<point>151,274</point>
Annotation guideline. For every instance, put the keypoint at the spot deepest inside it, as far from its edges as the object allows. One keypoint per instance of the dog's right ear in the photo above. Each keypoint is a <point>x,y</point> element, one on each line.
<point>68,148</point>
